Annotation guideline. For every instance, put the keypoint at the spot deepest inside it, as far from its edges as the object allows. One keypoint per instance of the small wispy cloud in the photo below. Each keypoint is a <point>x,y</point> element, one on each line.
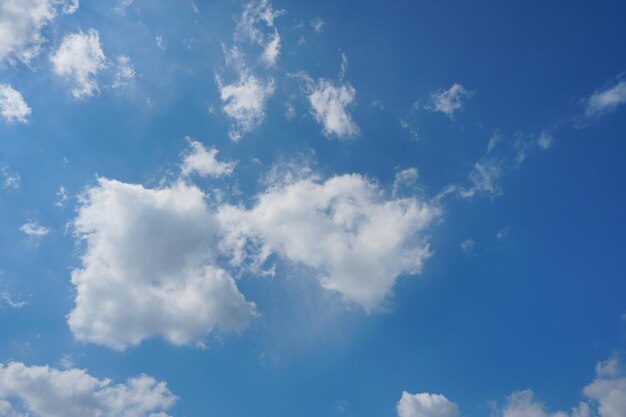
<point>9,178</point>
<point>449,101</point>
<point>606,101</point>
<point>6,300</point>
<point>34,229</point>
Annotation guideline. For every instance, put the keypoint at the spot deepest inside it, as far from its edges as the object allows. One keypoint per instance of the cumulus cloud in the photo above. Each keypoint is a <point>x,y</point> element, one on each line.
<point>524,404</point>
<point>244,102</point>
<point>449,101</point>
<point>608,390</point>
<point>34,229</point>
<point>124,72</point>
<point>79,59</point>
<point>201,161</point>
<point>21,23</point>
<point>12,105</point>
<point>606,397</point>
<point>357,241</point>
<point>606,101</point>
<point>48,392</point>
<point>329,105</point>
<point>425,405</point>
<point>148,269</point>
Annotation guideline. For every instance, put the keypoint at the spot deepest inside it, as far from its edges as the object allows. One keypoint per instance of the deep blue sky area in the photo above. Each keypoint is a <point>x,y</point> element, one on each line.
<point>424,200</point>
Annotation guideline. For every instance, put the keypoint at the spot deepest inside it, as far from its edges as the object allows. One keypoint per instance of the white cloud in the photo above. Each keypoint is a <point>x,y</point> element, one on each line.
<point>70,6</point>
<point>62,197</point>
<point>545,140</point>
<point>48,392</point>
<point>425,405</point>
<point>608,390</point>
<point>160,42</point>
<point>523,404</point>
<point>256,25</point>
<point>468,245</point>
<point>607,395</point>
<point>124,73</point>
<point>403,178</point>
<point>606,101</point>
<point>318,25</point>
<point>34,229</point>
<point>271,51</point>
<point>449,101</point>
<point>148,269</point>
<point>12,105</point>
<point>7,300</point>
<point>355,240</point>
<point>201,161</point>
<point>484,177</point>
<point>503,233</point>
<point>79,59</point>
<point>10,179</point>
<point>21,23</point>
<point>329,104</point>
<point>245,102</point>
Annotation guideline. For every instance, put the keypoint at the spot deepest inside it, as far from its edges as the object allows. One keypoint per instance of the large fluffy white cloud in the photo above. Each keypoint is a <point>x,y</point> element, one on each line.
<point>425,405</point>
<point>344,228</point>
<point>12,105</point>
<point>48,392</point>
<point>21,23</point>
<point>79,59</point>
<point>148,268</point>
<point>244,102</point>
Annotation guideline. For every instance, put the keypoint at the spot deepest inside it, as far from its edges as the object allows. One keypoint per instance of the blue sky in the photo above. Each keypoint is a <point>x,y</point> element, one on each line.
<point>259,208</point>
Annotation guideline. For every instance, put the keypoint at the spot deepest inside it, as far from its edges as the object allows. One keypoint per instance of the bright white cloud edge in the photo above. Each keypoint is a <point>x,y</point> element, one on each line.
<point>48,392</point>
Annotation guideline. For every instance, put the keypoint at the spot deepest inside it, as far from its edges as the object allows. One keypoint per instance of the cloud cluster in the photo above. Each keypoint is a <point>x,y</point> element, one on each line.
<point>149,270</point>
<point>606,398</point>
<point>357,241</point>
<point>79,59</point>
<point>21,23</point>
<point>12,105</point>
<point>48,392</point>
